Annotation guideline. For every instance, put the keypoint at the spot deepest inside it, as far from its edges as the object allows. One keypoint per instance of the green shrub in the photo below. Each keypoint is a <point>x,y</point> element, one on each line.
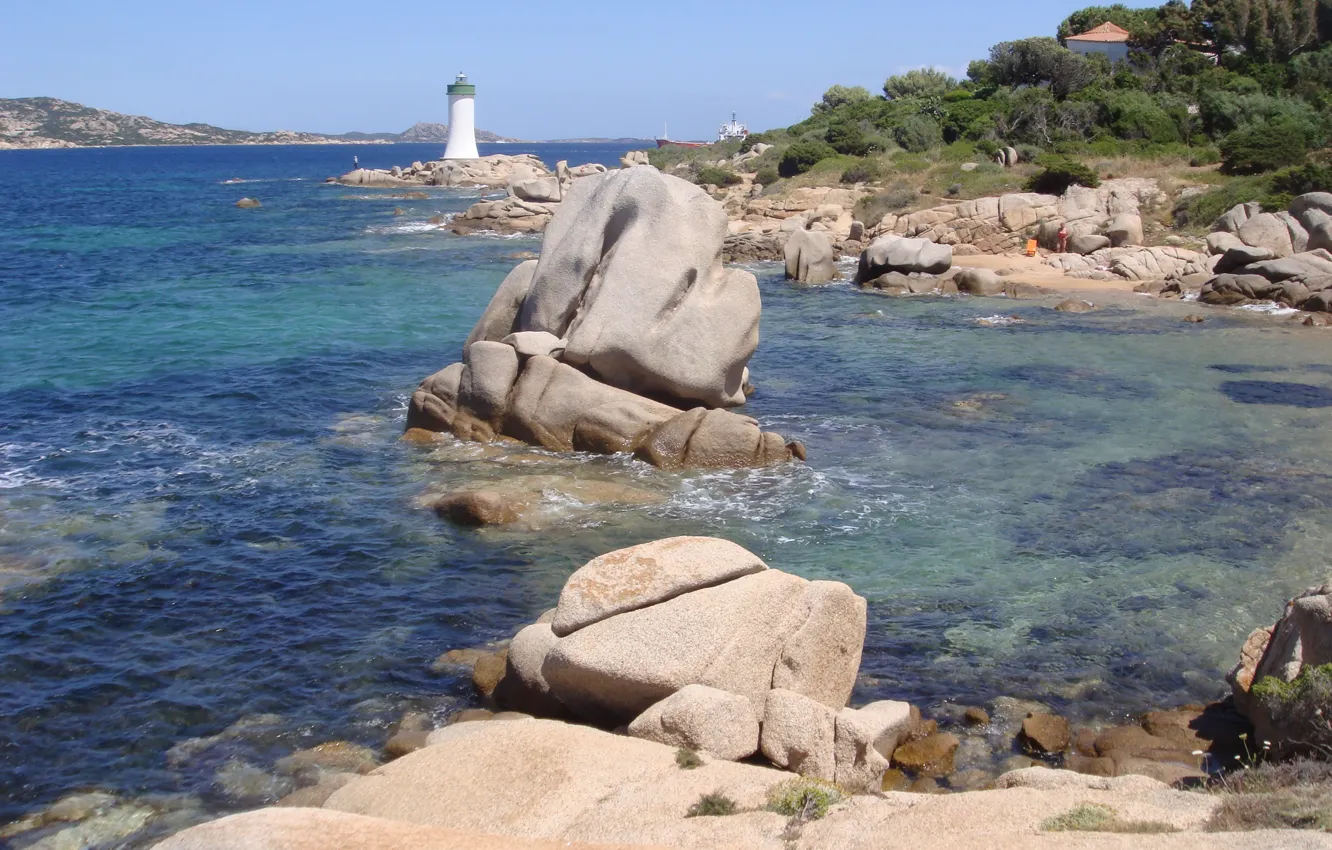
<point>918,133</point>
<point>1198,212</point>
<point>1135,115</point>
<point>1060,172</point>
<point>1300,181</point>
<point>802,156</point>
<point>687,759</point>
<point>804,799</point>
<point>1298,706</point>
<point>872,208</point>
<point>1260,148</point>
<point>1206,155</point>
<point>847,137</point>
<point>712,175</point>
<point>766,176</point>
<point>712,805</point>
<point>862,172</point>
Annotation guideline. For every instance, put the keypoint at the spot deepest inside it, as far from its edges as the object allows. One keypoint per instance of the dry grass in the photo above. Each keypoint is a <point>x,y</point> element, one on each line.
<point>1094,817</point>
<point>1287,795</point>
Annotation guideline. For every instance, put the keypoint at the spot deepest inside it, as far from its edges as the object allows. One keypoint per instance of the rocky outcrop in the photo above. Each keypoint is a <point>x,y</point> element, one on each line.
<point>891,253</point>
<point>508,216</point>
<point>631,288</point>
<point>1134,263</point>
<point>999,225</point>
<point>809,257</point>
<point>636,626</point>
<point>1284,256</point>
<point>1299,641</point>
<point>494,171</point>
<point>535,780</point>
<point>758,226</point>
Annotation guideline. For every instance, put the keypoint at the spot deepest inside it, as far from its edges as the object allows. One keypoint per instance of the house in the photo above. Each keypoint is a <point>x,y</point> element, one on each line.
<point>1107,39</point>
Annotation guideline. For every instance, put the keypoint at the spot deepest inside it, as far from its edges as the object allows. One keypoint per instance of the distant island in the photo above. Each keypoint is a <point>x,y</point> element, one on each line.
<point>47,122</point>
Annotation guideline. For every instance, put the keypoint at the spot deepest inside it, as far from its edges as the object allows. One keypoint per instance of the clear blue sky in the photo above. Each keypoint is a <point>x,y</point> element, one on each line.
<point>543,69</point>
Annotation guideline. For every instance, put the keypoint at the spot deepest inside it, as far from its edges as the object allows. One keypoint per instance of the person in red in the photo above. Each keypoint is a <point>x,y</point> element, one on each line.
<point>1063,238</point>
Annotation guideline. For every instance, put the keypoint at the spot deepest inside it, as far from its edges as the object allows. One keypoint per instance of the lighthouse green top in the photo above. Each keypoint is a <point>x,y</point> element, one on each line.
<point>461,86</point>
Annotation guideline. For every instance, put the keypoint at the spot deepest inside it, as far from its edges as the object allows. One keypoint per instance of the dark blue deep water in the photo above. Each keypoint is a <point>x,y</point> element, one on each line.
<point>205,514</point>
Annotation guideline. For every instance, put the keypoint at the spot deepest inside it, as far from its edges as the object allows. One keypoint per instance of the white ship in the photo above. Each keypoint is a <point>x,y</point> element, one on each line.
<point>732,130</point>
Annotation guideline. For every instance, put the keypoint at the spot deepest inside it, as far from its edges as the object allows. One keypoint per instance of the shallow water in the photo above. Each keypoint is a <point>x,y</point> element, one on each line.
<point>205,514</point>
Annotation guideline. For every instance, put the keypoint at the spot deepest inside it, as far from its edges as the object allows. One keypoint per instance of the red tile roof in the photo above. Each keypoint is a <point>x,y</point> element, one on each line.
<point>1106,32</point>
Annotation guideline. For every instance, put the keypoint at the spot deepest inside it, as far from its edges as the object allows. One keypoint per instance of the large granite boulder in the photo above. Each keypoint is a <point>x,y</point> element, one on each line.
<point>1236,216</point>
<point>624,336</point>
<point>1306,206</point>
<point>495,171</point>
<point>809,257</point>
<point>892,253</point>
<point>541,190</point>
<point>1277,232</point>
<point>631,275</point>
<point>636,626</point>
<point>1300,641</point>
<point>1124,230</point>
<point>703,719</point>
<point>373,178</point>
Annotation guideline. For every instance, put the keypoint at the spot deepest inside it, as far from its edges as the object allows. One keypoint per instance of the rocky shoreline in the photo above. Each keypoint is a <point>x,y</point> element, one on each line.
<point>1249,257</point>
<point>687,670</point>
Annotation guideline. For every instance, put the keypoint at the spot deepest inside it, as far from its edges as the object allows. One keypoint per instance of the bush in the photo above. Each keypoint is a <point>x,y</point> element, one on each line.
<point>1206,155</point>
<point>1300,181</point>
<point>1298,706</point>
<point>1135,115</point>
<point>805,799</point>
<point>1059,173</point>
<point>711,174</point>
<point>766,176</point>
<point>847,137</point>
<point>1260,148</point>
<point>802,156</point>
<point>918,133</point>
<point>919,82</point>
<point>862,172</point>
<point>871,209</point>
<point>712,805</point>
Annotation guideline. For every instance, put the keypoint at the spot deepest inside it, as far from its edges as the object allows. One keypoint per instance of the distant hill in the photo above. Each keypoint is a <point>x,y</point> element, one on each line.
<point>627,140</point>
<point>47,122</point>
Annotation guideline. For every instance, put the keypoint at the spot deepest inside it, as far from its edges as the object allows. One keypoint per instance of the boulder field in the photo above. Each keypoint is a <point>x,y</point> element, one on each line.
<point>626,335</point>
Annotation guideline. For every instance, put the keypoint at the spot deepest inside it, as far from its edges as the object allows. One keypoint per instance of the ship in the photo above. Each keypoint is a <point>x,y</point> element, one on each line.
<point>731,130</point>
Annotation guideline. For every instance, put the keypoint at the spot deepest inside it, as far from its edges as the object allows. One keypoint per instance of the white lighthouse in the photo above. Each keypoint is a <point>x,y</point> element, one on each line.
<point>462,120</point>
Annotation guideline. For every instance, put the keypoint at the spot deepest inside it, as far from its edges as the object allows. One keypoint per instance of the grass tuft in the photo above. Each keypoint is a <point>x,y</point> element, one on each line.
<point>803,799</point>
<point>687,759</point>
<point>712,805</point>
<point>1095,817</point>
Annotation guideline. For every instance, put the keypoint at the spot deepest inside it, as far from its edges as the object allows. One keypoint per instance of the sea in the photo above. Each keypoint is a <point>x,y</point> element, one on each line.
<point>213,550</point>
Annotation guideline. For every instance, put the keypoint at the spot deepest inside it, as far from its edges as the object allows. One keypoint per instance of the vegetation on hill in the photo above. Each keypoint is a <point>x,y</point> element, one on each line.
<point>1245,85</point>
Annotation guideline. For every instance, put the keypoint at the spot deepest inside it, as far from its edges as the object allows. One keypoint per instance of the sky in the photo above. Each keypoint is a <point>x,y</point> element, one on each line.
<point>543,70</point>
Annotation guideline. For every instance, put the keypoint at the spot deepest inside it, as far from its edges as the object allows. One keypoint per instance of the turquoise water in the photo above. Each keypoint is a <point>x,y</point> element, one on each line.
<point>205,514</point>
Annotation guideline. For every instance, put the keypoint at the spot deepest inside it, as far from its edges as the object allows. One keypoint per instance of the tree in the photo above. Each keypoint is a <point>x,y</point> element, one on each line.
<point>840,95</point>
<point>1266,30</point>
<point>1040,62</point>
<point>846,137</point>
<point>1141,23</point>
<point>802,156</point>
<point>919,82</point>
<point>1266,147</point>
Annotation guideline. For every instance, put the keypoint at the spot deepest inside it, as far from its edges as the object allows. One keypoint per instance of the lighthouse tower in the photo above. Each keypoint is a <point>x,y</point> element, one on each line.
<point>462,120</point>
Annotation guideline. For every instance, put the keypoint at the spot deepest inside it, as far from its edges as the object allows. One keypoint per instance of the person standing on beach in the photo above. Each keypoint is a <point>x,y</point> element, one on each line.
<point>356,162</point>
<point>1063,238</point>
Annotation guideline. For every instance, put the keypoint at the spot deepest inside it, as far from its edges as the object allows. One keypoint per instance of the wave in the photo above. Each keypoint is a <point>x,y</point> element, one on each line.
<point>233,181</point>
<point>409,227</point>
<point>1269,308</point>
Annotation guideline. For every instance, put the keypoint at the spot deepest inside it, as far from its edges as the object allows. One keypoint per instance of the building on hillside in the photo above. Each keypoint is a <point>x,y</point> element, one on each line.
<point>1107,39</point>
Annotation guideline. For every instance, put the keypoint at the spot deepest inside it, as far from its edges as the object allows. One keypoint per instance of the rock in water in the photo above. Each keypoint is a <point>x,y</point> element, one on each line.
<point>249,204</point>
<point>637,625</point>
<point>899,254</point>
<point>809,257</point>
<point>631,275</point>
<point>628,305</point>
